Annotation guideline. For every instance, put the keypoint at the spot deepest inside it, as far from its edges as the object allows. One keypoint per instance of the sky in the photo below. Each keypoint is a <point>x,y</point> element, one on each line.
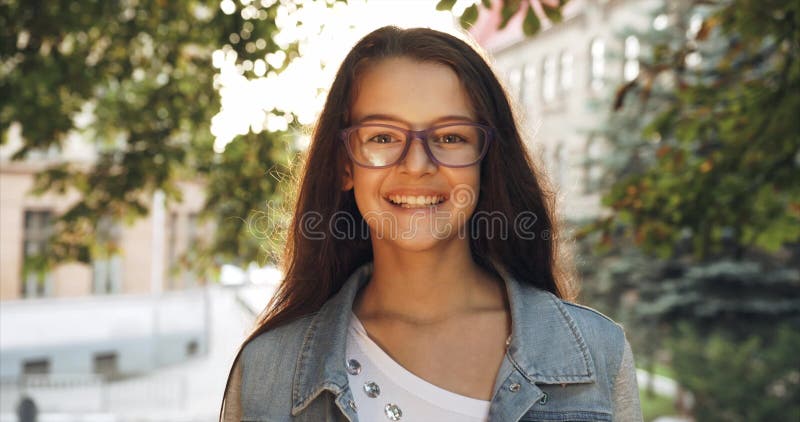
<point>326,35</point>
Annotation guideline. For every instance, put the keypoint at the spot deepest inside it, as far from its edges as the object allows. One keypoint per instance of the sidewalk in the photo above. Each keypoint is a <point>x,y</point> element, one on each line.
<point>189,391</point>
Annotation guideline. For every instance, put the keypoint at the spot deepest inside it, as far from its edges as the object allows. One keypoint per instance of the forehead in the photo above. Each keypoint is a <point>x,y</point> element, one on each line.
<point>411,92</point>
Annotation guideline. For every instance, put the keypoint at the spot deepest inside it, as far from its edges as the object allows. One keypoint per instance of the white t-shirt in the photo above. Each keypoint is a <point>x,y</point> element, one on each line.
<point>384,390</point>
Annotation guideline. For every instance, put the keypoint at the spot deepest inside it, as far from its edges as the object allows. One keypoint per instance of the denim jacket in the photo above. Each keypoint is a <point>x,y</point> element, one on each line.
<point>564,362</point>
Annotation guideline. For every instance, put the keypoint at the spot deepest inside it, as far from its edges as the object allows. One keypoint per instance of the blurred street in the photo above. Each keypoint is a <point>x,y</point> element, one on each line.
<point>189,391</point>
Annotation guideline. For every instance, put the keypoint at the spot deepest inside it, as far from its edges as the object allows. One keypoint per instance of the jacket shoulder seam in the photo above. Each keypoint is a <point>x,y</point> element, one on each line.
<point>592,310</point>
<point>260,340</point>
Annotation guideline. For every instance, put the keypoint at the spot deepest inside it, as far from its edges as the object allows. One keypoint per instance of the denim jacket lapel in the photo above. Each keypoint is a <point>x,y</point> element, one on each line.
<point>545,347</point>
<point>321,363</point>
<point>546,344</point>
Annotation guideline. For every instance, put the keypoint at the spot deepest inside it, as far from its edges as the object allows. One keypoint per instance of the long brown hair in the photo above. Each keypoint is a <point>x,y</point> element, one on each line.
<point>315,268</point>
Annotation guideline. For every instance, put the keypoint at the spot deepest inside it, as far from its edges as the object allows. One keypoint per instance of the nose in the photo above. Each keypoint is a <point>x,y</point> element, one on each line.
<point>417,159</point>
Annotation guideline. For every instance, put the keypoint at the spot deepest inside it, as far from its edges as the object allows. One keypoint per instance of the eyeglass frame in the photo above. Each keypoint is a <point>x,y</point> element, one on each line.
<point>422,135</point>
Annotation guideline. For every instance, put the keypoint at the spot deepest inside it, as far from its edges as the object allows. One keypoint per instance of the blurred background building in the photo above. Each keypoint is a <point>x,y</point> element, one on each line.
<point>561,78</point>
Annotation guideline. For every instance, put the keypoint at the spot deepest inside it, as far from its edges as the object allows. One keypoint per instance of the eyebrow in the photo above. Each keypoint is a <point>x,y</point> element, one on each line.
<point>372,117</point>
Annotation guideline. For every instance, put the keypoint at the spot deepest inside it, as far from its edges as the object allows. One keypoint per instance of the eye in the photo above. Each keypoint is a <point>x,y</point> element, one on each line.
<point>450,139</point>
<point>383,138</point>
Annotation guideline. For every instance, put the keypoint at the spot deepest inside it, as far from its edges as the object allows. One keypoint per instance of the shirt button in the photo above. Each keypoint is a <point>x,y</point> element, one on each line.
<point>353,367</point>
<point>372,389</point>
<point>352,405</point>
<point>543,400</point>
<point>393,413</point>
<point>513,387</point>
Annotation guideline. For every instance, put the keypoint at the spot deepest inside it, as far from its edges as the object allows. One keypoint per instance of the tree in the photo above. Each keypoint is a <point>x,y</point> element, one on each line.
<point>702,170</point>
<point>534,10</point>
<point>723,373</point>
<point>142,71</point>
<point>722,161</point>
<point>703,160</point>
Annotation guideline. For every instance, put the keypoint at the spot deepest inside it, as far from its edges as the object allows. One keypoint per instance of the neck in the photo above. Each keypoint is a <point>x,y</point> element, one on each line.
<point>428,286</point>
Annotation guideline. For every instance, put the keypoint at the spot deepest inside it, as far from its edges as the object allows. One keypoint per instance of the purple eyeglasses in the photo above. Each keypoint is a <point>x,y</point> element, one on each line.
<point>379,145</point>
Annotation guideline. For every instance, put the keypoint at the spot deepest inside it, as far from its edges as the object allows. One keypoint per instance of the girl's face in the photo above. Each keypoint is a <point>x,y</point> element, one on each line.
<point>412,95</point>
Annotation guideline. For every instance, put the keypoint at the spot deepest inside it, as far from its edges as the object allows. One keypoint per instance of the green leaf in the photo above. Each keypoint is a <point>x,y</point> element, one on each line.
<point>487,3</point>
<point>531,24</point>
<point>445,4</point>
<point>469,16</point>
<point>553,13</point>
<point>510,7</point>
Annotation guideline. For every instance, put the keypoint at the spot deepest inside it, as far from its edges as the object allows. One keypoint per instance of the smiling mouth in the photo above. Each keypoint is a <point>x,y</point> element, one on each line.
<point>422,201</point>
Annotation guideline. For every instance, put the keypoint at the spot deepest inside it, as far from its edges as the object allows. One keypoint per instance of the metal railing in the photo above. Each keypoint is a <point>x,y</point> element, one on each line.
<point>73,394</point>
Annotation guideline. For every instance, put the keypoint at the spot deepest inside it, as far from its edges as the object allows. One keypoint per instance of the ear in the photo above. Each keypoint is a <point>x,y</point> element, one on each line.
<point>347,178</point>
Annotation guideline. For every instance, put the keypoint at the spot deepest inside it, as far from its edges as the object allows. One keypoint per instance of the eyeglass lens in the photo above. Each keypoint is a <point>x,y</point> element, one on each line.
<point>453,145</point>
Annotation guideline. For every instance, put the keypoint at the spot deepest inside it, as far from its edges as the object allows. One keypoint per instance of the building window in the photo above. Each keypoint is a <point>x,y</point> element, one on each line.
<point>36,278</point>
<point>107,259</point>
<point>36,367</point>
<point>597,69</point>
<point>548,79</point>
<point>565,76</point>
<point>106,364</point>
<point>631,68</point>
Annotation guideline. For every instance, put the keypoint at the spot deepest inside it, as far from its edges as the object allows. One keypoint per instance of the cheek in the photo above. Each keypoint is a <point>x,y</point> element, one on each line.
<point>465,188</point>
<point>366,188</point>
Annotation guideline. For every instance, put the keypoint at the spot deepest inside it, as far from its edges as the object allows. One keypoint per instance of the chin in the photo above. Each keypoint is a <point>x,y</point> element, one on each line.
<point>423,238</point>
<point>420,244</point>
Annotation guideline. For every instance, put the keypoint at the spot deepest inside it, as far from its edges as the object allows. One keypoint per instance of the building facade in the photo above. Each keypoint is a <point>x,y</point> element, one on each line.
<point>132,309</point>
<point>27,222</point>
<point>562,80</point>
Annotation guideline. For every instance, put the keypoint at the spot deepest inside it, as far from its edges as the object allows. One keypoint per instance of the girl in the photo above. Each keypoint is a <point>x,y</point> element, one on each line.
<point>421,278</point>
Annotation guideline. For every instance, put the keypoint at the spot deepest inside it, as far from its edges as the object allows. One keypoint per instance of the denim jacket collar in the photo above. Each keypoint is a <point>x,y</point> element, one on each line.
<point>545,344</point>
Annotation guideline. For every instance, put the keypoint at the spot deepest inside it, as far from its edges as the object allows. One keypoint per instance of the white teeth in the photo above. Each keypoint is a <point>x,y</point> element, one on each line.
<point>406,200</point>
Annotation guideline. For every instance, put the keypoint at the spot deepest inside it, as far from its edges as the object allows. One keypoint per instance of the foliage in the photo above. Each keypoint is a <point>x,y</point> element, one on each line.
<point>656,406</point>
<point>703,228</point>
<point>249,226</point>
<point>550,10</point>
<point>708,271</point>
<point>722,308</point>
<point>737,296</point>
<point>752,379</point>
<point>135,78</point>
<point>37,265</point>
<point>718,154</point>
